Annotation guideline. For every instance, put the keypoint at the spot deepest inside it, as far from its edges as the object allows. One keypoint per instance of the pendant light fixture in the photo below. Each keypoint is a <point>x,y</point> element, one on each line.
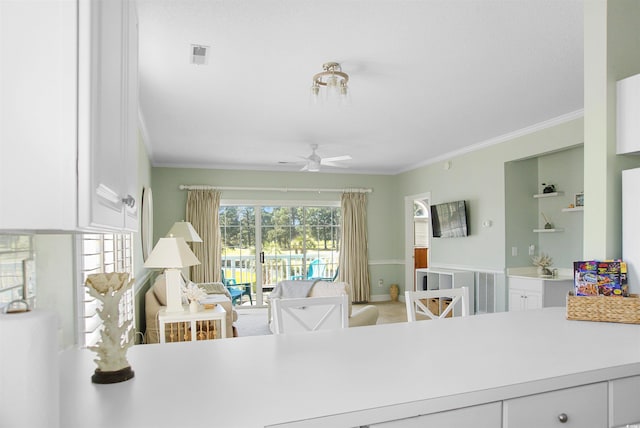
<point>333,79</point>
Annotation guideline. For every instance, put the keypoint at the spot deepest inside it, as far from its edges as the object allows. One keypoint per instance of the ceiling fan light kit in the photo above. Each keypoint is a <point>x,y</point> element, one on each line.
<point>333,79</point>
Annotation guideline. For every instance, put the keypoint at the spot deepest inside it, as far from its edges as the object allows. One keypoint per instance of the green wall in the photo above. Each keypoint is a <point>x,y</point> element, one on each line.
<point>521,210</point>
<point>496,187</point>
<point>479,178</point>
<point>384,243</point>
<point>611,40</point>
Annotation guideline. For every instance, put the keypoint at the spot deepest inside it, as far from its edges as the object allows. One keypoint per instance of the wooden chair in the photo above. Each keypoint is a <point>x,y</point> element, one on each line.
<point>317,270</point>
<point>416,305</point>
<point>237,290</point>
<point>310,314</point>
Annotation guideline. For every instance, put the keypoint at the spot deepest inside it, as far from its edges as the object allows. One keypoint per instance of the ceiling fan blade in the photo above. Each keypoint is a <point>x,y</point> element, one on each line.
<point>335,165</point>
<point>304,168</point>
<point>335,159</point>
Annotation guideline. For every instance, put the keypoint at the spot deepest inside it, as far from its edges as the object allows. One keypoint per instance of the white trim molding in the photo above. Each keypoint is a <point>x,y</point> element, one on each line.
<point>386,262</point>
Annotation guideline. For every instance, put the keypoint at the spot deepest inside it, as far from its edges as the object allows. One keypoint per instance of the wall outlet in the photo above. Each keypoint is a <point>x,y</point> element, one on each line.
<point>380,282</point>
<point>514,251</point>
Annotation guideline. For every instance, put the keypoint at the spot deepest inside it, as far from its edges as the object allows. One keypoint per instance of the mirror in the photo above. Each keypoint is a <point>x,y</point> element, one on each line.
<point>146,222</point>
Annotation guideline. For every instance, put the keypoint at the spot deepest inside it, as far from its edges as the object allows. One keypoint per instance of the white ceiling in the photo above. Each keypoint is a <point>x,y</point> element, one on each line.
<point>428,78</point>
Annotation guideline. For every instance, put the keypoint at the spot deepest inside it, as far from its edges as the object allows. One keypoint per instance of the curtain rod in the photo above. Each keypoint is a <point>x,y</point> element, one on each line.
<point>275,189</point>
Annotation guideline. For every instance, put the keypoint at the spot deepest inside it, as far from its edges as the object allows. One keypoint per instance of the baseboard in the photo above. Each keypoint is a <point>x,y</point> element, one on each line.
<point>383,298</point>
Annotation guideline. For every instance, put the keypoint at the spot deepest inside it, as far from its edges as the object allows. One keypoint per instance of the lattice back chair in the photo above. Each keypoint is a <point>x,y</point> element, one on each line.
<point>310,314</point>
<point>458,305</point>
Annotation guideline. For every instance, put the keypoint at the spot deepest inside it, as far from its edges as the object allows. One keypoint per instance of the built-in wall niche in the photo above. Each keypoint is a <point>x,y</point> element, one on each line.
<point>548,225</point>
<point>525,201</point>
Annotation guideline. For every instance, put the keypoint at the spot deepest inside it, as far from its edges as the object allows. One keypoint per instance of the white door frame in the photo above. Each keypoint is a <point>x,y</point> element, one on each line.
<point>408,238</point>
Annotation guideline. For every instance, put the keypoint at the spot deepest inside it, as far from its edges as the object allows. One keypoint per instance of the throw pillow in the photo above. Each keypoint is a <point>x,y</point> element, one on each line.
<point>214,288</point>
<point>330,289</point>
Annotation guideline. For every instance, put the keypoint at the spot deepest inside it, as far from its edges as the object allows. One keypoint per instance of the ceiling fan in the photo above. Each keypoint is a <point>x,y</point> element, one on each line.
<point>314,161</point>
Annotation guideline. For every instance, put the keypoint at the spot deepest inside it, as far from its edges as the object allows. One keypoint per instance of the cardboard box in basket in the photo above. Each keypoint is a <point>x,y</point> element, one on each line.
<point>600,278</point>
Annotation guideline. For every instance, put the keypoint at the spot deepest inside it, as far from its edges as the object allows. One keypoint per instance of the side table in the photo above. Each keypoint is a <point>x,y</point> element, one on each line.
<point>194,319</point>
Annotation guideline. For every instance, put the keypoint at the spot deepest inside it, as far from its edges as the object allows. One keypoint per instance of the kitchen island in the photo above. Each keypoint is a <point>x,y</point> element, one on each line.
<point>491,369</point>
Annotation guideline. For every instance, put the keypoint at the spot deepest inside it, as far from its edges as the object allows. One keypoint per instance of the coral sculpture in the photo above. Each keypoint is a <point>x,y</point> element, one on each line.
<point>193,292</point>
<point>543,261</point>
<point>116,335</point>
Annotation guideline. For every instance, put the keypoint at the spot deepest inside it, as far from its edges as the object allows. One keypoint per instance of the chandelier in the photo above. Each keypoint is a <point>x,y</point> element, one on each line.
<point>332,78</point>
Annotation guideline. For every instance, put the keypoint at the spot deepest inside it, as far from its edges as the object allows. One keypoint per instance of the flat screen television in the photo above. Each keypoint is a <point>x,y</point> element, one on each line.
<point>449,220</point>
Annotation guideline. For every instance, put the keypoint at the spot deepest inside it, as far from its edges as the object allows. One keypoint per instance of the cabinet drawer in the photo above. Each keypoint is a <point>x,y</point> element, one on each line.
<point>583,407</point>
<point>483,416</point>
<point>623,397</point>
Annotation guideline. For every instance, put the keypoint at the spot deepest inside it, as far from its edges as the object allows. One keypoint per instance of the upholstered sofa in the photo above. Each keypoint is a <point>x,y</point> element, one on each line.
<point>156,297</point>
<point>368,315</point>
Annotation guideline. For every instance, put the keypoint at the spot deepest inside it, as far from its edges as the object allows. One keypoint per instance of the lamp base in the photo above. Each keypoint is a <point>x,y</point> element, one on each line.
<point>112,377</point>
<point>173,279</point>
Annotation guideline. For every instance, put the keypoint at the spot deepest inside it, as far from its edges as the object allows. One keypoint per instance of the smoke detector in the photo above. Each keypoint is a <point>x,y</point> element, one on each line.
<point>199,54</point>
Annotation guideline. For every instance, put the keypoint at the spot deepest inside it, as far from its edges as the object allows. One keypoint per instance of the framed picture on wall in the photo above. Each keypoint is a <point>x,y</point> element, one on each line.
<point>579,200</point>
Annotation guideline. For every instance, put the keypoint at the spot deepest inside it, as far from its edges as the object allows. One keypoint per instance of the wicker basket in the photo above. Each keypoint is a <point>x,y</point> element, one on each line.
<point>608,309</point>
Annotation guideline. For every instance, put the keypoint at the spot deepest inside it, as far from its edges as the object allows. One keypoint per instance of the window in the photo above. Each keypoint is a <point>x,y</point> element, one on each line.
<point>265,244</point>
<point>102,253</point>
<point>17,275</point>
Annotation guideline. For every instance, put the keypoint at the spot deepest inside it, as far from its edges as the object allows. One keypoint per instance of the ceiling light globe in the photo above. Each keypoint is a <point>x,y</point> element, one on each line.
<point>333,82</point>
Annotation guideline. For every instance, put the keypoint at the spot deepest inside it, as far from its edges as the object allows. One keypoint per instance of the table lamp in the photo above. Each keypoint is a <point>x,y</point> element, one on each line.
<point>172,254</point>
<point>184,229</point>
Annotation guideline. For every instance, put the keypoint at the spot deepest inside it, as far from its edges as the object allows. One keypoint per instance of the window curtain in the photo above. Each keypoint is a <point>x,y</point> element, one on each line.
<point>202,213</point>
<point>354,260</point>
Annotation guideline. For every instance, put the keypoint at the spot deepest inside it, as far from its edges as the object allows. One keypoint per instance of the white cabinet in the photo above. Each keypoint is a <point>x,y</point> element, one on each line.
<point>623,399</point>
<point>631,226</point>
<point>440,278</point>
<point>580,407</point>
<point>628,111</point>
<point>68,127</point>
<point>525,294</point>
<point>482,416</point>
<point>535,293</point>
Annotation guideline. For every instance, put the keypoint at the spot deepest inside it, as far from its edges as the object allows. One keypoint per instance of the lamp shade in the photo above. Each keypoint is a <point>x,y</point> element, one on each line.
<point>171,253</point>
<point>184,229</point>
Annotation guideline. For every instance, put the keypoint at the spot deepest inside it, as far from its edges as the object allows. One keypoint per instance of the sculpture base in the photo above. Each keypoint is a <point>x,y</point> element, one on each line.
<point>112,377</point>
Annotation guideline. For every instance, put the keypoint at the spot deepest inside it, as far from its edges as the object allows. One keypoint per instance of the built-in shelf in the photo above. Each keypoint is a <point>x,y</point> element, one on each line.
<point>569,210</point>
<point>548,230</point>
<point>548,195</point>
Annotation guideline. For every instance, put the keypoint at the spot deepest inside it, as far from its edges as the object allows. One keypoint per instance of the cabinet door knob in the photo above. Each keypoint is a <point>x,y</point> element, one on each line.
<point>129,201</point>
<point>562,417</point>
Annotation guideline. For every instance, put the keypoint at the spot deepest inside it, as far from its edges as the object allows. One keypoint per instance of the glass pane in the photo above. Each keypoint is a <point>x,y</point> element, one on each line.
<point>298,243</point>
<point>237,227</point>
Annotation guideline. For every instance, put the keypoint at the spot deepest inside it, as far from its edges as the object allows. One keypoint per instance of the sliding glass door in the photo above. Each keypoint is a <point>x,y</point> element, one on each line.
<point>262,245</point>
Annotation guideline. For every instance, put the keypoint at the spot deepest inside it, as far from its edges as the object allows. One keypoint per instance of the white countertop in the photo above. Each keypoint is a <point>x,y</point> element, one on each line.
<point>387,371</point>
<point>531,272</point>
<point>542,277</point>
